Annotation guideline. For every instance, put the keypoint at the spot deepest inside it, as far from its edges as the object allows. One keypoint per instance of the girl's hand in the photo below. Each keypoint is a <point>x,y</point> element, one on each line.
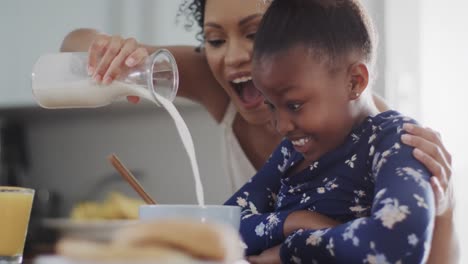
<point>430,150</point>
<point>269,256</point>
<point>305,219</point>
<point>302,219</point>
<point>111,55</point>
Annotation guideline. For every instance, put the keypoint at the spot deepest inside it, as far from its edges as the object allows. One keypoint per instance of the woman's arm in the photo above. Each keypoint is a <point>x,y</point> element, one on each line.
<point>445,246</point>
<point>108,55</point>
<point>380,103</point>
<point>78,40</point>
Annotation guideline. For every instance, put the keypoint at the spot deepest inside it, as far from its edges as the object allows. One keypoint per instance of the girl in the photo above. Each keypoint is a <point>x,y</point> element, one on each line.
<point>340,156</point>
<point>218,77</point>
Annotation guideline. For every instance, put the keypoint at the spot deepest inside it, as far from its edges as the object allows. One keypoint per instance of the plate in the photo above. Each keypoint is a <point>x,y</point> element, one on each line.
<point>96,230</point>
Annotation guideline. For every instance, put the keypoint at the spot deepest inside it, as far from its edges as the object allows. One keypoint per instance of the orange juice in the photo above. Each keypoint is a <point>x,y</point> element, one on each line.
<point>15,209</point>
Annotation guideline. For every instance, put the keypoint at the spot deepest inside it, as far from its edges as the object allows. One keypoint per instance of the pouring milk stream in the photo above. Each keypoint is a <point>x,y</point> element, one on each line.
<point>61,81</point>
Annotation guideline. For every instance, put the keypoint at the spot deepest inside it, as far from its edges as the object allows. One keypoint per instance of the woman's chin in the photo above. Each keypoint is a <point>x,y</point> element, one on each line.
<point>255,112</point>
<point>257,116</point>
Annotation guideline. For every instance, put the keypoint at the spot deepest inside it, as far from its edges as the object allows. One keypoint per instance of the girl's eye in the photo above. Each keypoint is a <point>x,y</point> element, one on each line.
<point>294,107</point>
<point>270,105</point>
<point>216,42</point>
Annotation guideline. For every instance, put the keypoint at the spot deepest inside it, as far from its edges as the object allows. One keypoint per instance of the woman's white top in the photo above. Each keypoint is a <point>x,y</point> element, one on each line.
<point>236,164</point>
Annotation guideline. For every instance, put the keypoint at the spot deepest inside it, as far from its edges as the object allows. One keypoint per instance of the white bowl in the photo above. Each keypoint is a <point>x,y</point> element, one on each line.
<point>225,214</point>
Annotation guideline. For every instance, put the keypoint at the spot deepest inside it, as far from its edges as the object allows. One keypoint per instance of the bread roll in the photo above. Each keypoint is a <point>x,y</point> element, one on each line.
<point>208,241</point>
<point>166,241</point>
<point>89,250</point>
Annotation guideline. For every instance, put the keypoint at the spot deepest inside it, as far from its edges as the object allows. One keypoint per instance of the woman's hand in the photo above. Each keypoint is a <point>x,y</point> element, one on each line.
<point>269,256</point>
<point>430,150</point>
<point>111,55</point>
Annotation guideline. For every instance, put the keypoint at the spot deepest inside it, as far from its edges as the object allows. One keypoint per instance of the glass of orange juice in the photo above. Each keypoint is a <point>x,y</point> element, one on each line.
<point>15,209</point>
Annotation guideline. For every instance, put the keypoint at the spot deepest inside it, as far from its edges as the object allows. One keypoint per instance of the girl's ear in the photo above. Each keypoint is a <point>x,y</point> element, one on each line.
<point>359,79</point>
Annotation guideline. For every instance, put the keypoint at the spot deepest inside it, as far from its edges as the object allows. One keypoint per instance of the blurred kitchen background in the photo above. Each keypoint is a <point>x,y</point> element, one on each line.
<point>422,70</point>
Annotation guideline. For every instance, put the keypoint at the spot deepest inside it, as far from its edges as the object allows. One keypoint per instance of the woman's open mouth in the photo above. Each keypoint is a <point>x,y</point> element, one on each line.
<point>247,91</point>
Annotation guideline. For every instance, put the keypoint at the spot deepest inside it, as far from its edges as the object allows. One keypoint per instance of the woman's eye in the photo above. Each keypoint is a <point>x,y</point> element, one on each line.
<point>216,42</point>
<point>251,36</point>
<point>270,105</point>
<point>294,107</point>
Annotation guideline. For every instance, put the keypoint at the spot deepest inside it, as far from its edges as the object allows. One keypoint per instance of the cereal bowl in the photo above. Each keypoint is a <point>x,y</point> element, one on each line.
<point>225,214</point>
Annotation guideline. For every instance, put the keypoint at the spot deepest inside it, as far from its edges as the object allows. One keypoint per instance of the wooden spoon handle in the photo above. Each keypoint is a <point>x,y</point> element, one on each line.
<point>128,176</point>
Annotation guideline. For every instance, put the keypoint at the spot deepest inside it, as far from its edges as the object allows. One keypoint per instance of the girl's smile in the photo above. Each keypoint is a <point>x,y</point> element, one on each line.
<point>303,145</point>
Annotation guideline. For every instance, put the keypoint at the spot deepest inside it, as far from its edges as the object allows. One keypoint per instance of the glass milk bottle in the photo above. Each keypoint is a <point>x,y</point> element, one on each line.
<point>61,80</point>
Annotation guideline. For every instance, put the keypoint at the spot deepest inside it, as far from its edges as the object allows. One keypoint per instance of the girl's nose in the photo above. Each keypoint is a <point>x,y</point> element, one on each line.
<point>283,123</point>
<point>237,53</point>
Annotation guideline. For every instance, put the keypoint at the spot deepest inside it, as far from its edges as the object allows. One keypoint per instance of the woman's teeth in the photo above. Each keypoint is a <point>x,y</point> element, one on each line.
<point>300,142</point>
<point>240,82</point>
<point>242,79</point>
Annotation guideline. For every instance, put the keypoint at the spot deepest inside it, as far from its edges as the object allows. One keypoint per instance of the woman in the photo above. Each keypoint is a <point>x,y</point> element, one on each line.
<point>222,74</point>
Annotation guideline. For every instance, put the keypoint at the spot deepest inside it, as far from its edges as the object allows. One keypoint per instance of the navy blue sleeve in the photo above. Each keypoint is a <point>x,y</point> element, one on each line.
<point>399,229</point>
<point>262,227</point>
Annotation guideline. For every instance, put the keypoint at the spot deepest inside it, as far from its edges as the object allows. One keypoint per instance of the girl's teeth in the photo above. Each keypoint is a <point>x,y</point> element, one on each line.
<point>242,79</point>
<point>301,142</point>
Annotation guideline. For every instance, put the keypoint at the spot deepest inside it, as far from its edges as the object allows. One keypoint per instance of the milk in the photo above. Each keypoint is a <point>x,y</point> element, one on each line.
<point>187,141</point>
<point>87,93</point>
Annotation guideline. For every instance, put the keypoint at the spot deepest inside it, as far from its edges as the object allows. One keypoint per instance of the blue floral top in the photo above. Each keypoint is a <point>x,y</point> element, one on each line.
<point>371,183</point>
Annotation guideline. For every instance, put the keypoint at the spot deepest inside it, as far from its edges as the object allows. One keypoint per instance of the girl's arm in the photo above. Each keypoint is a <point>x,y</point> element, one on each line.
<point>108,55</point>
<point>402,217</point>
<point>262,227</point>
<point>303,219</point>
<point>430,150</point>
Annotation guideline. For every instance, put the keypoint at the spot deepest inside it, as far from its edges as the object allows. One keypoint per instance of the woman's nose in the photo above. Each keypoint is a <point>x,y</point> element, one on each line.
<point>237,53</point>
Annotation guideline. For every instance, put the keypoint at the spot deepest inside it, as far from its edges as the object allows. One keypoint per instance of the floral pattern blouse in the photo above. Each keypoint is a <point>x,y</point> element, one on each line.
<point>371,183</point>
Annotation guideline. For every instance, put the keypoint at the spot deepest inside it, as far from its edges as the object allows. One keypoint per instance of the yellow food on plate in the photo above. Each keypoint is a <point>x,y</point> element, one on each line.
<point>115,206</point>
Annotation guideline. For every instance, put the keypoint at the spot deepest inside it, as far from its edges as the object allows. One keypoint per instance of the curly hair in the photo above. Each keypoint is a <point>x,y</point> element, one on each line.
<point>193,11</point>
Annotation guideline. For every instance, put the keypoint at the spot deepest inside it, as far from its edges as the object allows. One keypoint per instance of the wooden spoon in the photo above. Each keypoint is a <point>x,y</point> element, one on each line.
<point>128,176</point>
